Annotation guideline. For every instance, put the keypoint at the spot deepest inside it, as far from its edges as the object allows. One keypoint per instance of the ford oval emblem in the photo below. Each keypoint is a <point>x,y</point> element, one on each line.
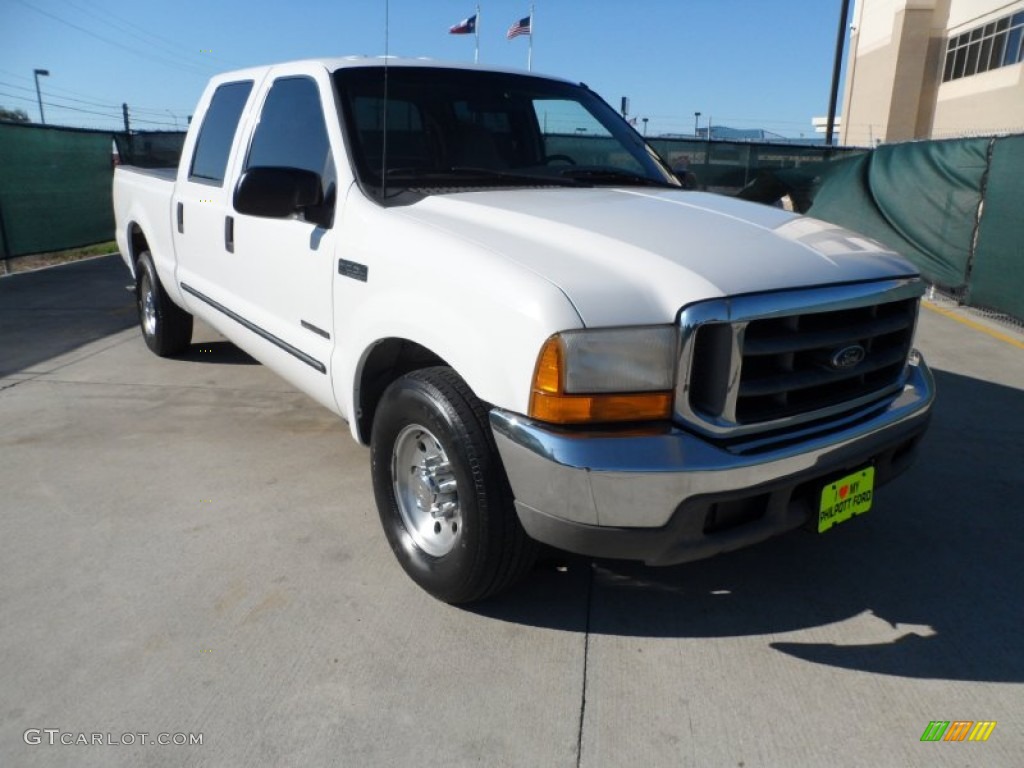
<point>847,357</point>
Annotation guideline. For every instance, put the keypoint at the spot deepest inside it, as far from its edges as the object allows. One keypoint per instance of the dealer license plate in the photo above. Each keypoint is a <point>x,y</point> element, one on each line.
<point>846,497</point>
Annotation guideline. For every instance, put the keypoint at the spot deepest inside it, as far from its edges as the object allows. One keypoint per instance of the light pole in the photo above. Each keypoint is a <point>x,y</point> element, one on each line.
<point>836,66</point>
<point>696,120</point>
<point>39,97</point>
<point>645,126</point>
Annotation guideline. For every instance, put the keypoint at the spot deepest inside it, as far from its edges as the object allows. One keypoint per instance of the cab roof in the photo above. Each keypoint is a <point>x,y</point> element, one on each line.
<point>332,64</point>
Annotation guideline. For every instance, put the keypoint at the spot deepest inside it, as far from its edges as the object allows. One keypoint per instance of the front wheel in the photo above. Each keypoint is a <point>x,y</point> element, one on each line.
<point>166,327</point>
<point>444,501</point>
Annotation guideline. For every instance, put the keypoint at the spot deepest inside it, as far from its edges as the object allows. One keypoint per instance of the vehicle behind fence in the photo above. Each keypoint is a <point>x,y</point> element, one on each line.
<point>950,206</point>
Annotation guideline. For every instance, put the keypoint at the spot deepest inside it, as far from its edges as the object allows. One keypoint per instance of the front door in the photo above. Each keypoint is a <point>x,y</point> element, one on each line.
<point>285,266</point>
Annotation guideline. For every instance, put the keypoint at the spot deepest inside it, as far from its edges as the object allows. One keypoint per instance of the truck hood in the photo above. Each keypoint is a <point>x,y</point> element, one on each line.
<point>630,256</point>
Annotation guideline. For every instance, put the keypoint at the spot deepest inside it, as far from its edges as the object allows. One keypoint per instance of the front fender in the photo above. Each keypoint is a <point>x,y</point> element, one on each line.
<point>483,314</point>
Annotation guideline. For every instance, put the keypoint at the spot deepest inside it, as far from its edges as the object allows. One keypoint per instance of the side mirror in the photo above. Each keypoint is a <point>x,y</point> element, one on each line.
<point>687,178</point>
<point>277,193</point>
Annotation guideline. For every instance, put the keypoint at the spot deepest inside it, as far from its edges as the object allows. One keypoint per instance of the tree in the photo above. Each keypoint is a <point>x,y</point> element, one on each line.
<point>14,115</point>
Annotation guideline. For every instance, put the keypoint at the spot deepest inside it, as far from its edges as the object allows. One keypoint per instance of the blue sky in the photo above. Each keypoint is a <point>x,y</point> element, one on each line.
<point>746,63</point>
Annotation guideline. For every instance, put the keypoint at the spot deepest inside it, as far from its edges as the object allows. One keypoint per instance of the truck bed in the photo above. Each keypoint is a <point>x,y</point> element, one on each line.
<point>143,196</point>
<point>166,174</point>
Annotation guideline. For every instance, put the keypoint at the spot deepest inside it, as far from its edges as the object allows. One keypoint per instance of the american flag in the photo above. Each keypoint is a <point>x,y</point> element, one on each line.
<point>521,27</point>
<point>464,27</point>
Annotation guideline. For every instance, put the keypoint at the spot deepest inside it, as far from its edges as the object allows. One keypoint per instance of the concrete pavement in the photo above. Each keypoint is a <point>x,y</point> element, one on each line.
<point>190,547</point>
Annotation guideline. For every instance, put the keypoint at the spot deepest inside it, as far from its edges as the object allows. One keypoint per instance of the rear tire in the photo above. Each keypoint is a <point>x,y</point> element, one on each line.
<point>441,491</point>
<point>166,327</point>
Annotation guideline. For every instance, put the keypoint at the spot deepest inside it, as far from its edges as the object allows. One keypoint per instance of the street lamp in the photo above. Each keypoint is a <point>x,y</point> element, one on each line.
<point>39,98</point>
<point>645,126</point>
<point>696,119</point>
<point>844,15</point>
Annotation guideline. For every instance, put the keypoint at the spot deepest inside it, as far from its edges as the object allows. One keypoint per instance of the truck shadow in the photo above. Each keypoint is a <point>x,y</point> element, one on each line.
<point>50,312</point>
<point>219,352</point>
<point>927,585</point>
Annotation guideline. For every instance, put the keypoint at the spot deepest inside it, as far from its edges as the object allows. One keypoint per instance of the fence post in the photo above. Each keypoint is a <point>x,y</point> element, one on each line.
<point>5,248</point>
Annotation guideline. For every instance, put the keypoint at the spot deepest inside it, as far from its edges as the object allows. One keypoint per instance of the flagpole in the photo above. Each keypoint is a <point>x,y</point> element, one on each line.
<point>476,28</point>
<point>529,54</point>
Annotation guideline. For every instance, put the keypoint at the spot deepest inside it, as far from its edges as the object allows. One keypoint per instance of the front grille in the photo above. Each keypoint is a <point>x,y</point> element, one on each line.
<point>787,363</point>
<point>763,367</point>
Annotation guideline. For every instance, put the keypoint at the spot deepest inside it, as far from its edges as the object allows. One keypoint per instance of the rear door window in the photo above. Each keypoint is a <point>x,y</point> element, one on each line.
<point>217,134</point>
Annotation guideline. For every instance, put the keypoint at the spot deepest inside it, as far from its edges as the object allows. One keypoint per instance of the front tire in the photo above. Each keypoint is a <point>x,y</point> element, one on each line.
<point>441,491</point>
<point>166,327</point>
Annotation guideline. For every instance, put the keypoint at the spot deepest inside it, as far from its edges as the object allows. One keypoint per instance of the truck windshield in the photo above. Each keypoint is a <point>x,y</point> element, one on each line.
<point>443,130</point>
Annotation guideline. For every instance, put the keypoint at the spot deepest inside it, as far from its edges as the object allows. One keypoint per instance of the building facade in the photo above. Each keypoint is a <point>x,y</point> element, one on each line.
<point>921,69</point>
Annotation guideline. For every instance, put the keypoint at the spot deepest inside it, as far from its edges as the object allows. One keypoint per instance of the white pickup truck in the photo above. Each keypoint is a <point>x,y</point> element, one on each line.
<point>539,333</point>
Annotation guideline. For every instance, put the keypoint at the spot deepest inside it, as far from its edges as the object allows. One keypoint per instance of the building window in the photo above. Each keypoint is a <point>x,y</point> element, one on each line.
<point>997,44</point>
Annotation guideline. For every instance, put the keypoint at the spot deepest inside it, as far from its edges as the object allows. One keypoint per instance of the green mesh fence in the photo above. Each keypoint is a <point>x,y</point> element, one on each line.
<point>54,189</point>
<point>55,183</point>
<point>920,198</point>
<point>725,167</point>
<point>150,149</point>
<point>728,167</point>
<point>997,271</point>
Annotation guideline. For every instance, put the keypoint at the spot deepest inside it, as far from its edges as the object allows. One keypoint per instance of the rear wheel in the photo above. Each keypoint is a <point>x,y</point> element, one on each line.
<point>443,497</point>
<point>166,327</point>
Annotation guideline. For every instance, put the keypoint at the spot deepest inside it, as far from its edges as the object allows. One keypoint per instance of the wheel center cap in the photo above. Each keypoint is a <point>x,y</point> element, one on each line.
<point>425,490</point>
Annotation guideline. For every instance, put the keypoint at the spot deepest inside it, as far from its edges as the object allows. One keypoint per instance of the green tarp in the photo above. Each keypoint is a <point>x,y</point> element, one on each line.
<point>997,273</point>
<point>920,199</point>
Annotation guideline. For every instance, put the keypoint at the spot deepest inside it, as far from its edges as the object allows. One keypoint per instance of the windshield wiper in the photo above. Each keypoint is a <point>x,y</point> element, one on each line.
<point>613,176</point>
<point>492,174</point>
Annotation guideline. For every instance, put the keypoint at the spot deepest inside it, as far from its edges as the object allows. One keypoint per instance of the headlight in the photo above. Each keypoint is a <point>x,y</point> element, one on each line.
<point>603,375</point>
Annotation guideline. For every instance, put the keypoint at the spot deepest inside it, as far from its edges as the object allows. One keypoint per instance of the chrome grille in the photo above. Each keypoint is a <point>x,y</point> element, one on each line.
<point>757,363</point>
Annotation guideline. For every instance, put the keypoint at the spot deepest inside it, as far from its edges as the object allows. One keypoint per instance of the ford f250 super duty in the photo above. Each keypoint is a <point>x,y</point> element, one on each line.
<point>540,334</point>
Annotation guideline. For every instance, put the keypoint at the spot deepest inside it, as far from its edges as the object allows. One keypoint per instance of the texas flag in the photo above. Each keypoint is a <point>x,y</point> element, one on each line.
<point>464,27</point>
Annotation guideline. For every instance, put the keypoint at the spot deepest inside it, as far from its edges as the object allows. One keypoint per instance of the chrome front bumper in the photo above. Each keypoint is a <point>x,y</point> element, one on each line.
<point>664,495</point>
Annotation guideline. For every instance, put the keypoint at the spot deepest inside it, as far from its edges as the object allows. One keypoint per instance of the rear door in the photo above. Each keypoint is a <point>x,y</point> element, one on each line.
<point>202,198</point>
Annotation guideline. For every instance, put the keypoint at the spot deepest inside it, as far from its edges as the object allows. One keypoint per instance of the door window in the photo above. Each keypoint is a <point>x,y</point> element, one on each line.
<point>292,132</point>
<point>217,133</point>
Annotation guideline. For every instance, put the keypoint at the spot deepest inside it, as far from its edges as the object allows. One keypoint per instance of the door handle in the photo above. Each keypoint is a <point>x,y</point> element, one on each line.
<point>181,218</point>
<point>229,233</point>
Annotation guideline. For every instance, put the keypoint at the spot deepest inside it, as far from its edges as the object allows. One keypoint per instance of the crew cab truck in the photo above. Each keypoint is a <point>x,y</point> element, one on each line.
<point>540,334</point>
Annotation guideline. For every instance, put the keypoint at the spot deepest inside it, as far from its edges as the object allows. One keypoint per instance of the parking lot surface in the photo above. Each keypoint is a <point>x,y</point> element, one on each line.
<point>190,548</point>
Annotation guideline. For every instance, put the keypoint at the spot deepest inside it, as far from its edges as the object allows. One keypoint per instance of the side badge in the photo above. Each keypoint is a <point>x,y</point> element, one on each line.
<point>353,269</point>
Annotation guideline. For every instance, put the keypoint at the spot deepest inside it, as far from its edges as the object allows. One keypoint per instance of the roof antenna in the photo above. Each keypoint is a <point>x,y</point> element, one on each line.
<point>384,120</point>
